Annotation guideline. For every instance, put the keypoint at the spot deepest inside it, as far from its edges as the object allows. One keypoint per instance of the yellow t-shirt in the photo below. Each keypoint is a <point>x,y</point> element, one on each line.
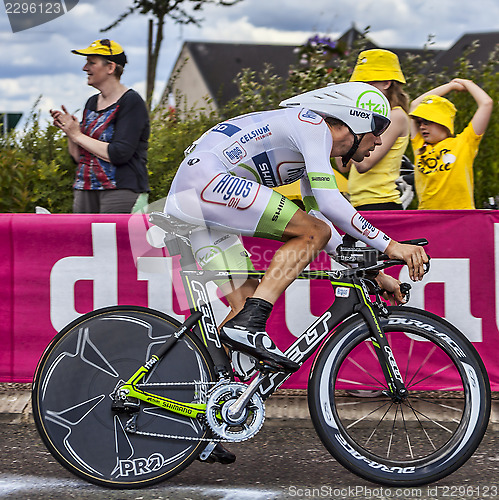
<point>377,185</point>
<point>443,172</point>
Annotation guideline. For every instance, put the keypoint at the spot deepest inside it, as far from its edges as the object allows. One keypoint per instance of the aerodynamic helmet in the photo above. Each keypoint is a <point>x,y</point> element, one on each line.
<point>360,106</point>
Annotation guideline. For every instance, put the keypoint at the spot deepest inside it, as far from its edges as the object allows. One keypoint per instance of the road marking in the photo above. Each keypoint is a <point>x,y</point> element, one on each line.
<point>16,483</point>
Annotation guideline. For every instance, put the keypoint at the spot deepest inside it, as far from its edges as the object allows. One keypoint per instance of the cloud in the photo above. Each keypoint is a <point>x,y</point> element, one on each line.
<point>241,30</point>
<point>402,23</point>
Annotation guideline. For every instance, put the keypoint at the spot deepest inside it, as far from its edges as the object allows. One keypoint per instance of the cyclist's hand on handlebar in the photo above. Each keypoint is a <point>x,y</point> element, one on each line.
<point>391,287</point>
<point>414,256</point>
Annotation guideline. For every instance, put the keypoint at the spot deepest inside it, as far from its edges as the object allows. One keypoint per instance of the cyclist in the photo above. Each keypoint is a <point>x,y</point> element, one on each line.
<point>224,186</point>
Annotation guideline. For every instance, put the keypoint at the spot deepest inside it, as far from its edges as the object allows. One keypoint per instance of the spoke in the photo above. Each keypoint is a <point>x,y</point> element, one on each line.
<point>421,366</point>
<point>409,356</point>
<point>407,403</point>
<point>363,401</point>
<point>430,375</point>
<point>378,424</point>
<point>366,415</point>
<point>361,368</point>
<point>393,432</point>
<point>433,421</point>
<point>406,432</point>
<point>362,384</point>
<point>370,348</point>
<point>433,402</point>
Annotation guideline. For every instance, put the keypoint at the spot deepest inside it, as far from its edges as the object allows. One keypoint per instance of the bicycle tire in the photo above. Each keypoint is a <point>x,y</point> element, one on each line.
<point>72,405</point>
<point>429,435</point>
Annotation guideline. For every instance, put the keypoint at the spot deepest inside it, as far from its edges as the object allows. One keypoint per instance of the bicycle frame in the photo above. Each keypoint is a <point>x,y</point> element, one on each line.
<point>352,296</point>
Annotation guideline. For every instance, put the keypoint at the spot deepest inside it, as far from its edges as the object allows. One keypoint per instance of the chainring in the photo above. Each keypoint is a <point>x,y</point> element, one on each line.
<point>219,420</point>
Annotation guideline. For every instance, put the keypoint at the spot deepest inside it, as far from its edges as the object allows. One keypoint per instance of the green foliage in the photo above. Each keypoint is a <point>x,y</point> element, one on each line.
<point>170,137</point>
<point>35,169</point>
<point>257,92</point>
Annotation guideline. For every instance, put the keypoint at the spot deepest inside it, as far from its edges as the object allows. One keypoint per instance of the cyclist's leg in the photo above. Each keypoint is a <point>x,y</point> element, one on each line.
<point>204,193</point>
<point>220,250</point>
<point>304,236</point>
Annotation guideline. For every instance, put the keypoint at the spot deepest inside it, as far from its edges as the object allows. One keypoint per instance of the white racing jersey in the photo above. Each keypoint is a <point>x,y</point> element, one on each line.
<point>268,148</point>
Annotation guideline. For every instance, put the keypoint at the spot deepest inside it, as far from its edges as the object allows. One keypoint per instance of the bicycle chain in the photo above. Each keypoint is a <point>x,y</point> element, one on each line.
<point>184,438</point>
<point>203,420</point>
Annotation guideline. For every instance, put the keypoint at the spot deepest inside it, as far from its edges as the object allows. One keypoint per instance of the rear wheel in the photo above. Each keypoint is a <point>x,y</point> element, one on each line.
<point>424,437</point>
<point>72,400</point>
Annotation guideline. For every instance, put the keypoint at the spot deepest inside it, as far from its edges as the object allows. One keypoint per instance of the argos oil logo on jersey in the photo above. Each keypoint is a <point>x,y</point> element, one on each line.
<point>231,191</point>
<point>310,117</point>
<point>364,226</point>
<point>235,153</point>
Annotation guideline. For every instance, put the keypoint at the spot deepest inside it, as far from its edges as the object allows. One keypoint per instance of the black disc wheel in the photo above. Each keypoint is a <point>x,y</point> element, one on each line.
<point>72,397</point>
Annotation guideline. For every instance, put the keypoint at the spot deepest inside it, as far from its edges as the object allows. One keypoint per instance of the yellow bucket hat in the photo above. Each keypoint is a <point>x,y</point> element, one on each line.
<point>376,65</point>
<point>106,48</point>
<point>436,109</point>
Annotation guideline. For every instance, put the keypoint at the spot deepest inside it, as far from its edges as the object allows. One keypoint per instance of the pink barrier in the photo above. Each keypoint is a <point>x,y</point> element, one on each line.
<point>56,267</point>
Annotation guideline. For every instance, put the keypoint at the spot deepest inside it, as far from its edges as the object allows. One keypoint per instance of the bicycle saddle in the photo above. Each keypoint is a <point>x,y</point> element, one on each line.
<point>171,224</point>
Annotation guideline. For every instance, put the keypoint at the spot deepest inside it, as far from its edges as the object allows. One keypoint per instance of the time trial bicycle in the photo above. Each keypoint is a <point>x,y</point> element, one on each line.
<point>126,396</point>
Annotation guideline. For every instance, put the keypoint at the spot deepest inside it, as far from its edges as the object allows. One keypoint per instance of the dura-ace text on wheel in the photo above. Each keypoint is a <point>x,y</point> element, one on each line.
<point>413,440</point>
<point>73,397</point>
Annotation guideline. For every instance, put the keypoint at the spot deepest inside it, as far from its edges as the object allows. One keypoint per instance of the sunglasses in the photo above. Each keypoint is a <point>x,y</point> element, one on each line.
<point>379,124</point>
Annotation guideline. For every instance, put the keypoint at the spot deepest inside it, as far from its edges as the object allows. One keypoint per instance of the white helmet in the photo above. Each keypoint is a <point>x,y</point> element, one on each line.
<point>360,106</point>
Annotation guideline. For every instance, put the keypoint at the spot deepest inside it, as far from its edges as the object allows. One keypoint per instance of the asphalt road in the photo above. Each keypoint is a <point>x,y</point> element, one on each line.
<point>285,460</point>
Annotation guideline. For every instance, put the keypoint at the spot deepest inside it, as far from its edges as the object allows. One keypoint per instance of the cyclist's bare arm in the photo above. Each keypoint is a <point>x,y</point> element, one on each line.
<point>320,193</point>
<point>342,214</point>
<point>391,287</point>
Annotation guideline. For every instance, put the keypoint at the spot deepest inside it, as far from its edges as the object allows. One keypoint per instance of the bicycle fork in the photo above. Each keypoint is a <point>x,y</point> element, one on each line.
<point>389,366</point>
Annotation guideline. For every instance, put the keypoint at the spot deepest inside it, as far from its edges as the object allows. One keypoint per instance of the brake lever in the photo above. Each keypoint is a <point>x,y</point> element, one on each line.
<point>426,265</point>
<point>405,289</point>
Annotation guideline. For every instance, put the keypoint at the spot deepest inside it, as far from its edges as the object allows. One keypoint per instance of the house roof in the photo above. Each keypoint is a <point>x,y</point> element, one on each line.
<point>487,41</point>
<point>219,63</point>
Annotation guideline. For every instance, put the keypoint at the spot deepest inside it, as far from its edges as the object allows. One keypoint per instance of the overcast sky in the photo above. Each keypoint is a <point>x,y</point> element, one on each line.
<point>38,61</point>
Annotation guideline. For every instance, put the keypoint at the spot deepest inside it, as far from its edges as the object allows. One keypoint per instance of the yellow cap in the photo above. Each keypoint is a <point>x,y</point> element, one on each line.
<point>376,65</point>
<point>106,48</point>
<point>436,109</point>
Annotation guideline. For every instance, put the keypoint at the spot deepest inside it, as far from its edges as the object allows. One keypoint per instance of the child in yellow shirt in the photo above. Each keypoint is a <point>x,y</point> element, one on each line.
<point>443,161</point>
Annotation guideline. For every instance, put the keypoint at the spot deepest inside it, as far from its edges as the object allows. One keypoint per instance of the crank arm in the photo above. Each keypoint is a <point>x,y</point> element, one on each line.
<point>236,409</point>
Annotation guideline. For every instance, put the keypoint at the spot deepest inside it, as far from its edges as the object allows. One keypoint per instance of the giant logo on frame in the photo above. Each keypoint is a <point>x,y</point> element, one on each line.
<point>231,191</point>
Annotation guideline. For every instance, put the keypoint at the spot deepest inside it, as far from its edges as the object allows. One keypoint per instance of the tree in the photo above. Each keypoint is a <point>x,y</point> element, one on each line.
<point>181,11</point>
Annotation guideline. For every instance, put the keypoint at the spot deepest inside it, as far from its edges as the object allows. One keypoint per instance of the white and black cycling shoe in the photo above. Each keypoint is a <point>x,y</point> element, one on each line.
<point>246,333</point>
